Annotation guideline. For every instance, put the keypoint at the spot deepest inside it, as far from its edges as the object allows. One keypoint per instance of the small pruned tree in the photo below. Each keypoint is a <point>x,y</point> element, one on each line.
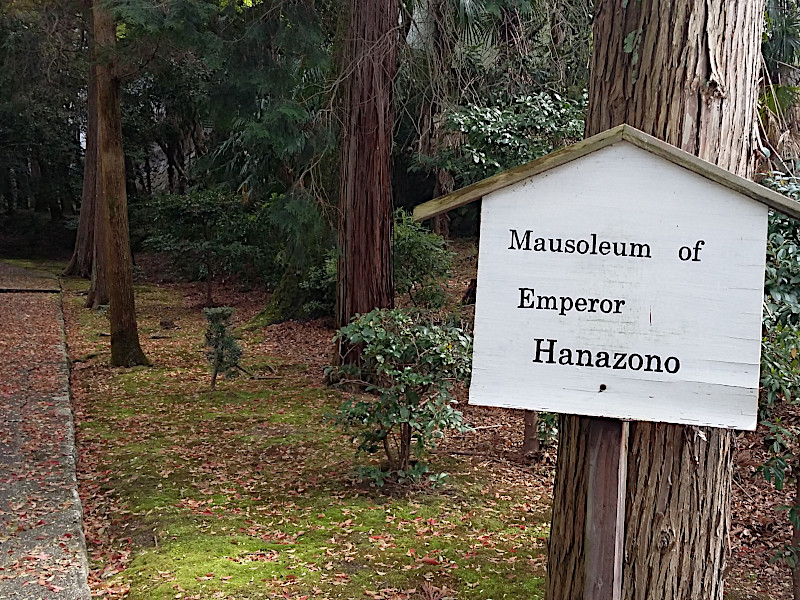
<point>409,365</point>
<point>224,352</point>
<point>207,233</point>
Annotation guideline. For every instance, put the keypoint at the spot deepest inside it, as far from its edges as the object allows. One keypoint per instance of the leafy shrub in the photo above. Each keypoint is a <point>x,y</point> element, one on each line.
<point>780,363</point>
<point>780,366</point>
<point>224,351</point>
<point>508,133</point>
<point>319,288</point>
<point>207,233</point>
<point>409,364</point>
<point>421,262</point>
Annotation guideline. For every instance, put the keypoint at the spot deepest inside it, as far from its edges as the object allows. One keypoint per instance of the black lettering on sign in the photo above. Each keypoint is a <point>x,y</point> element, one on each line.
<point>590,245</point>
<point>528,298</point>
<point>622,361</point>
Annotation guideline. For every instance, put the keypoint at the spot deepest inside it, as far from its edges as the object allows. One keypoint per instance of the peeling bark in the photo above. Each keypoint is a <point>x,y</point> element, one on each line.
<point>365,274</point>
<point>684,72</point>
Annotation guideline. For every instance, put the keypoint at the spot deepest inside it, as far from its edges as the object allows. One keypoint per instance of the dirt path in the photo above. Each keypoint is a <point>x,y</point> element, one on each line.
<point>42,550</point>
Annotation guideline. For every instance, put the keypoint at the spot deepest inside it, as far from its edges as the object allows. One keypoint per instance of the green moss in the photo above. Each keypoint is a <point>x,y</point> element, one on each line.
<point>252,484</point>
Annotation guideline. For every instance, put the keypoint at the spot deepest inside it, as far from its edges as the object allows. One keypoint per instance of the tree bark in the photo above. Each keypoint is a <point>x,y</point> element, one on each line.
<point>530,434</point>
<point>684,72</point>
<point>98,289</point>
<point>81,262</point>
<point>365,272</point>
<point>125,348</point>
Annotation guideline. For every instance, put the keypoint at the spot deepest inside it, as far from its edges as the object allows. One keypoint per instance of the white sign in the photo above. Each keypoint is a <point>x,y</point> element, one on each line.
<point>621,285</point>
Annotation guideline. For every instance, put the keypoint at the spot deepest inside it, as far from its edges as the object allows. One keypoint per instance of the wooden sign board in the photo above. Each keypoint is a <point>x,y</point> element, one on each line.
<point>621,285</point>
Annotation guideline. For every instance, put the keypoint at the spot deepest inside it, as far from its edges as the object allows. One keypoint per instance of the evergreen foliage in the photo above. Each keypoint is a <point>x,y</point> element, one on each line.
<point>409,365</point>
<point>422,262</point>
<point>224,352</point>
<point>208,234</point>
<point>497,137</point>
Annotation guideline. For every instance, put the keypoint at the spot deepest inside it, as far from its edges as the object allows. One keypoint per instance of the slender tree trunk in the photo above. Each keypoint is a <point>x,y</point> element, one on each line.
<point>25,186</point>
<point>365,275</point>
<point>125,348</point>
<point>685,72</point>
<point>530,434</point>
<point>37,194</point>
<point>98,289</point>
<point>81,262</point>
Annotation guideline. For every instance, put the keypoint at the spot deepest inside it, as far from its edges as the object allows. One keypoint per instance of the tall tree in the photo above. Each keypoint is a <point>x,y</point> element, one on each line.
<point>82,256</point>
<point>112,202</point>
<point>364,279</point>
<point>685,72</point>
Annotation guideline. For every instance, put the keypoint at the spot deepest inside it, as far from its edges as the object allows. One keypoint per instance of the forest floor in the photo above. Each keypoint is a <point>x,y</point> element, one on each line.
<point>247,492</point>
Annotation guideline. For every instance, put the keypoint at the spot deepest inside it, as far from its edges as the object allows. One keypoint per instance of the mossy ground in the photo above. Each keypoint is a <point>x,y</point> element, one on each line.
<point>247,492</point>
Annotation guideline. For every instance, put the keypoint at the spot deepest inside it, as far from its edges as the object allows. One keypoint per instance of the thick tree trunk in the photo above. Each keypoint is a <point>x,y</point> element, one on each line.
<point>365,274</point>
<point>125,348</point>
<point>81,262</point>
<point>684,72</point>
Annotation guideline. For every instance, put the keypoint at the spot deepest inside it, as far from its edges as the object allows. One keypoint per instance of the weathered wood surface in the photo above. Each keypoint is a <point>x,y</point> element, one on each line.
<point>615,135</point>
<point>605,509</point>
<point>683,305</point>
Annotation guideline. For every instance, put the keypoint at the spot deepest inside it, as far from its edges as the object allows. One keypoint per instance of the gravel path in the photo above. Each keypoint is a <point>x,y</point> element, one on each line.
<point>42,550</point>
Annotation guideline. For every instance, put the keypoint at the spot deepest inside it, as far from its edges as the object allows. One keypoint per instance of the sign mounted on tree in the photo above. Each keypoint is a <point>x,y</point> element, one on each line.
<point>623,278</point>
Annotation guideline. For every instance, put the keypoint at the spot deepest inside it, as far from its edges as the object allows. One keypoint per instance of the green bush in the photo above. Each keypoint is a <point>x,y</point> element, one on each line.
<point>409,365</point>
<point>207,234</point>
<point>507,133</point>
<point>421,262</point>
<point>780,364</point>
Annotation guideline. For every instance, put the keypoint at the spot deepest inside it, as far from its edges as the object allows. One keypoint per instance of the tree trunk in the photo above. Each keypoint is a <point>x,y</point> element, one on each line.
<point>81,262</point>
<point>125,348</point>
<point>98,289</point>
<point>365,274</point>
<point>530,434</point>
<point>684,72</point>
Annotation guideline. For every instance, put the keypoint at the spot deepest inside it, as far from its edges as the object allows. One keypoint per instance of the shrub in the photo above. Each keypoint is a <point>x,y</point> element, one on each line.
<point>224,351</point>
<point>409,364</point>
<point>207,233</point>
<point>506,133</point>
<point>421,262</point>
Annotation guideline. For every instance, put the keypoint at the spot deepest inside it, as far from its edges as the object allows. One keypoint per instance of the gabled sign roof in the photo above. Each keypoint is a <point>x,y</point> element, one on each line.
<point>620,133</point>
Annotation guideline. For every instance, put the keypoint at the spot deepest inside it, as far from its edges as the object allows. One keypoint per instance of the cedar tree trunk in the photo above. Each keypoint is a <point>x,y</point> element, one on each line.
<point>365,273</point>
<point>684,72</point>
<point>81,262</point>
<point>113,203</point>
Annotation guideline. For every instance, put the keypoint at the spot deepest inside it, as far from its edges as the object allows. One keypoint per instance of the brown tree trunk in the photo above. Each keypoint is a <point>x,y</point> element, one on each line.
<point>685,72</point>
<point>365,273</point>
<point>81,262</point>
<point>125,348</point>
<point>98,289</point>
<point>530,434</point>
